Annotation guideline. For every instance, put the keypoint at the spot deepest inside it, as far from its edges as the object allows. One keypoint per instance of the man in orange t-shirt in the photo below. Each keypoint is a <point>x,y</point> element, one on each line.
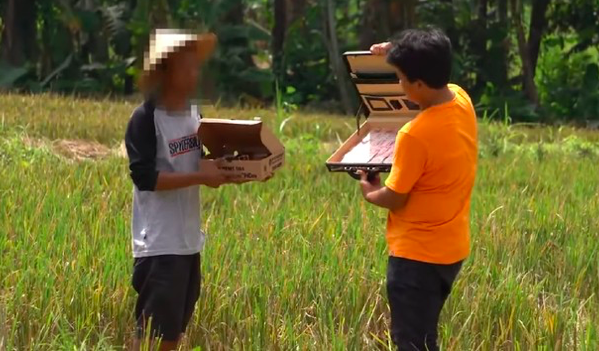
<point>429,188</point>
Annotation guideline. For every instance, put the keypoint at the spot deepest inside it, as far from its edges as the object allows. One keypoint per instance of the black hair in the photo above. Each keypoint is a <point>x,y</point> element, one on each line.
<point>423,54</point>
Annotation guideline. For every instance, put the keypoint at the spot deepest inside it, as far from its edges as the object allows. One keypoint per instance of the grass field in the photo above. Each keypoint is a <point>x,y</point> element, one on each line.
<point>297,263</point>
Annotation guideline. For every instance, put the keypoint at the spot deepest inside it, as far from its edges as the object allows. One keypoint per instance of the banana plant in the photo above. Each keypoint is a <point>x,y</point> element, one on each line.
<point>99,50</point>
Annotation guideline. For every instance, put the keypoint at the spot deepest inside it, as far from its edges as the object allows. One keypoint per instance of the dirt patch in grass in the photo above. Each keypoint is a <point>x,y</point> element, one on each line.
<point>81,149</point>
<point>77,150</point>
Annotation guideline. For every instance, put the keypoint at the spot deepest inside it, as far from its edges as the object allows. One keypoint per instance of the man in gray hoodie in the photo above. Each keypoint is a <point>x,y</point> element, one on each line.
<point>164,154</point>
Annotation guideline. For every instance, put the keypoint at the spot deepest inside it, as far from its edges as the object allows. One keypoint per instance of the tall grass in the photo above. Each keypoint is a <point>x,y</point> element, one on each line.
<point>297,263</point>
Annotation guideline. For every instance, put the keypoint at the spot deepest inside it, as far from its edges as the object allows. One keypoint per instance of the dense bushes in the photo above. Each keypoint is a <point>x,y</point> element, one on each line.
<point>96,46</point>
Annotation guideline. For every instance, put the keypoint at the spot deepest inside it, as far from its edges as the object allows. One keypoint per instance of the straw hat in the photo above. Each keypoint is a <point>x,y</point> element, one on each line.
<point>164,42</point>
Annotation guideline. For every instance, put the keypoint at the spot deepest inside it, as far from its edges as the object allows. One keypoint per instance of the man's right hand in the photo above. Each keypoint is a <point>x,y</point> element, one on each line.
<point>216,180</point>
<point>381,48</point>
<point>212,180</point>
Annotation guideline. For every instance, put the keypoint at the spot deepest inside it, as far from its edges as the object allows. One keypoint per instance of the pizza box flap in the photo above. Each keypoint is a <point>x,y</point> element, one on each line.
<point>377,86</point>
<point>223,136</point>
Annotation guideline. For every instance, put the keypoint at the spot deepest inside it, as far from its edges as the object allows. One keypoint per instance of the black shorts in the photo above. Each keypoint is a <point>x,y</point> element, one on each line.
<point>417,292</point>
<point>168,288</point>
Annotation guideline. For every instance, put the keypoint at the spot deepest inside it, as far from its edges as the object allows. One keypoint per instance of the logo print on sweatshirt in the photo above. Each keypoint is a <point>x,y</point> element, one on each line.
<point>183,145</point>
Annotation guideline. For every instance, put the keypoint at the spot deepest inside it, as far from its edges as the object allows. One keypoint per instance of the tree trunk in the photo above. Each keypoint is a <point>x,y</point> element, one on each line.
<point>19,33</point>
<point>370,24</point>
<point>295,10</point>
<point>483,6</point>
<point>528,81</point>
<point>160,15</point>
<point>335,57</point>
<point>401,15</point>
<point>505,44</point>
<point>366,33</point>
<point>237,17</point>
<point>449,20</point>
<point>278,37</point>
<point>538,22</point>
<point>479,43</point>
<point>502,11</point>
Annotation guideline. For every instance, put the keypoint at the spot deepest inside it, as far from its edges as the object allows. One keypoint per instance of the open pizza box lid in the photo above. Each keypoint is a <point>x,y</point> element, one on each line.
<point>249,149</point>
<point>386,107</point>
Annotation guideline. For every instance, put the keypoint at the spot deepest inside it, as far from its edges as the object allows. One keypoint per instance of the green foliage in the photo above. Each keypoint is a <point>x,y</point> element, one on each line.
<point>84,48</point>
<point>234,74</point>
<point>306,58</point>
<point>568,84</point>
<point>233,65</point>
<point>104,40</point>
<point>580,18</point>
<point>496,102</point>
<point>9,75</point>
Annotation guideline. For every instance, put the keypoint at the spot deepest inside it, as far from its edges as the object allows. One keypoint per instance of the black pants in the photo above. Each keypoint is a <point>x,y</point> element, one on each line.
<point>168,288</point>
<point>417,292</point>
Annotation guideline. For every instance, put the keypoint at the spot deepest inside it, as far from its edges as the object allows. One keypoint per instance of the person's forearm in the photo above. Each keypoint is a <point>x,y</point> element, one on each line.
<point>375,198</point>
<point>384,198</point>
<point>172,181</point>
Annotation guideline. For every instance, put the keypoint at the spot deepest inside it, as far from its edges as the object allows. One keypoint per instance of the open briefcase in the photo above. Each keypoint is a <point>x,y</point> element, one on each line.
<point>386,108</point>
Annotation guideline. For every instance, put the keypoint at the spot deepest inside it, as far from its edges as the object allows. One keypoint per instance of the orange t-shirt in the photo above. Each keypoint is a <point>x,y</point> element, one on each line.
<point>435,162</point>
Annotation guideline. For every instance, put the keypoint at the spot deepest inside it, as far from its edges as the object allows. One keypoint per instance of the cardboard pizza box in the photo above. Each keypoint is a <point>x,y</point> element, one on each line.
<point>245,150</point>
<point>386,108</point>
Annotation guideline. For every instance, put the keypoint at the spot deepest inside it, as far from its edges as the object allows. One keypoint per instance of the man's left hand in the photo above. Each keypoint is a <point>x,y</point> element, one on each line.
<point>369,186</point>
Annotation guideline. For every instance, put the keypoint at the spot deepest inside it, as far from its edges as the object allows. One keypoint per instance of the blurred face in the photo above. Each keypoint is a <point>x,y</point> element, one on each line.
<point>182,72</point>
<point>413,90</point>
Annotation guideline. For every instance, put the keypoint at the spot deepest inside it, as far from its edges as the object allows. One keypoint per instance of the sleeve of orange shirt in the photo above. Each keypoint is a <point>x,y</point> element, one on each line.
<point>408,163</point>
